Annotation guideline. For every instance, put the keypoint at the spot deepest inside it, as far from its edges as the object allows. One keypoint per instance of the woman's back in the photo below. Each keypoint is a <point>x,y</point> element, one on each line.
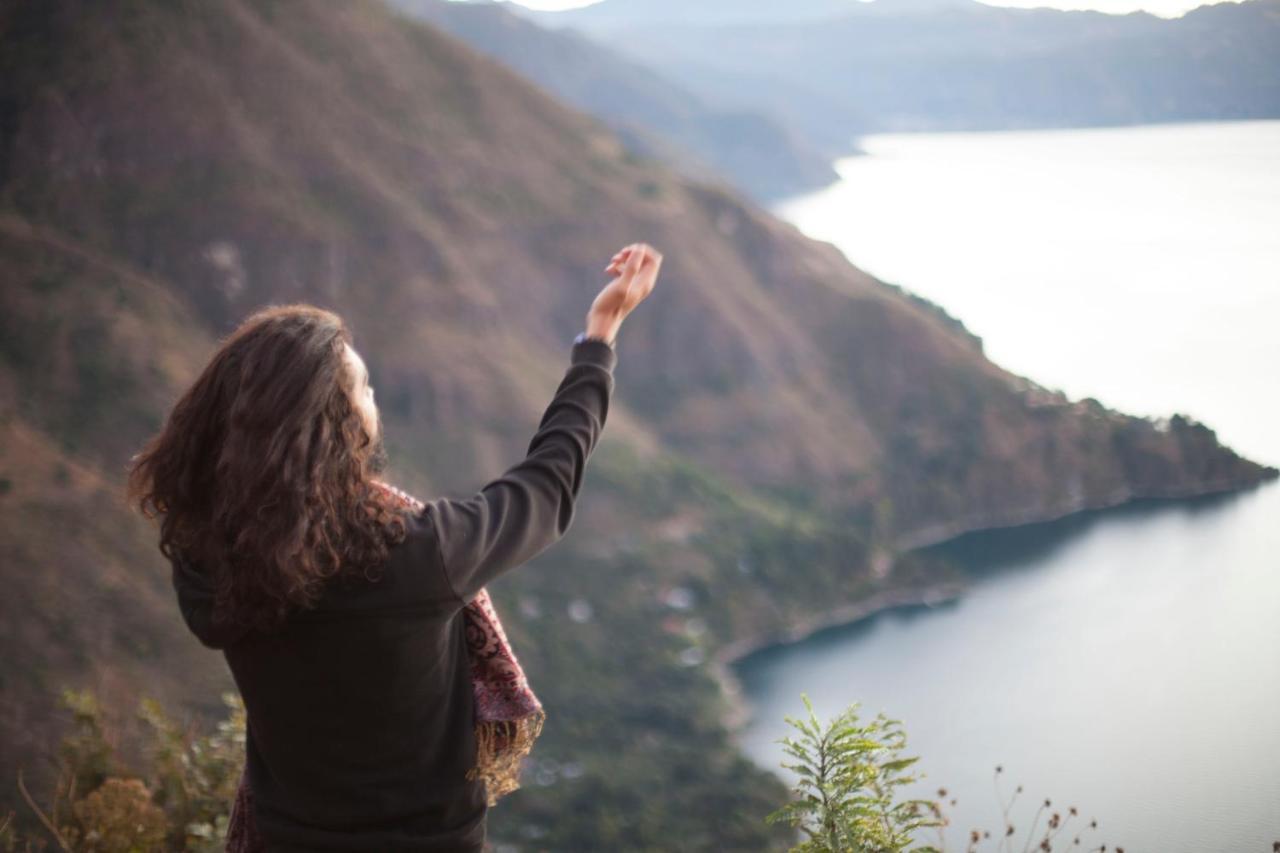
<point>361,709</point>
<point>360,715</point>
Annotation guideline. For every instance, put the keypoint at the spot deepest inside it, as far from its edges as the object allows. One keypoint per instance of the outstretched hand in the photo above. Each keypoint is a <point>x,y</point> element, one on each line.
<point>635,268</point>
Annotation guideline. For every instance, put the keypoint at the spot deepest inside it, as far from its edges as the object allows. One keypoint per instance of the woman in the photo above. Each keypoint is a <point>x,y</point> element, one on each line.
<point>338,609</point>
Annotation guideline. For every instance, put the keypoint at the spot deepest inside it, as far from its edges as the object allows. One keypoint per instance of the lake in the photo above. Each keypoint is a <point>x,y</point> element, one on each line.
<point>1124,661</point>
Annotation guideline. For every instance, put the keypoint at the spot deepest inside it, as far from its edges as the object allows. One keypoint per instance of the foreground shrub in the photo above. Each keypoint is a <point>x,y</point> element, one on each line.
<point>181,800</point>
<point>849,773</point>
<point>847,798</point>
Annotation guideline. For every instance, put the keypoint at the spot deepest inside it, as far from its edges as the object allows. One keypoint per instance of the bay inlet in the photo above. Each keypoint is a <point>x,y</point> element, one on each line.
<point>1125,661</point>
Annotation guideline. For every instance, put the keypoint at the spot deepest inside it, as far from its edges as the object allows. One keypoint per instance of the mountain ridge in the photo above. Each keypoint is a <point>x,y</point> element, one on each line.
<point>652,114</point>
<point>961,66</point>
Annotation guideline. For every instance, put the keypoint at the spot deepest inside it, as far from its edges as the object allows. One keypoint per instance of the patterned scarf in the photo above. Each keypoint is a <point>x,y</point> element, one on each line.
<point>508,716</point>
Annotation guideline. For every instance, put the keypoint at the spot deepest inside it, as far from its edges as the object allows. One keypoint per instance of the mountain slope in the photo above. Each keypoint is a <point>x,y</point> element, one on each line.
<point>785,425</point>
<point>653,115</point>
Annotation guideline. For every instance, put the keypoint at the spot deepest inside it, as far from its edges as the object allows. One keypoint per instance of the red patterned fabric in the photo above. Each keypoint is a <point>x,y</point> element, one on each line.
<point>242,832</point>
<point>508,716</point>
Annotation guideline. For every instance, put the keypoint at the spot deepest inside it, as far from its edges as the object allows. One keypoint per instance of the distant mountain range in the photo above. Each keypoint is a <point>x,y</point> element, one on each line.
<point>766,94</point>
<point>787,429</point>
<point>609,14</point>
<point>832,69</point>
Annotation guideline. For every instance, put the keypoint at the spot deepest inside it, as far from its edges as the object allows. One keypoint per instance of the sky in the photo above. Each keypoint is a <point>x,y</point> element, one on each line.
<point>1163,8</point>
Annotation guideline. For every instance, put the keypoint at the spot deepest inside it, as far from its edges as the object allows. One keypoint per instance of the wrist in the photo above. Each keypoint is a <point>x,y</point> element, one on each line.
<point>588,336</point>
<point>603,328</point>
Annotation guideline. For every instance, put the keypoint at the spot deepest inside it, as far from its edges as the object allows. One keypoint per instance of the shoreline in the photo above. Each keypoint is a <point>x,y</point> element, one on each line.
<point>937,534</point>
<point>739,710</point>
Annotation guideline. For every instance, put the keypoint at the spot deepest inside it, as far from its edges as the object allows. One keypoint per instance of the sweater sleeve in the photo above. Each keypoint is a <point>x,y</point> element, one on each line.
<point>530,506</point>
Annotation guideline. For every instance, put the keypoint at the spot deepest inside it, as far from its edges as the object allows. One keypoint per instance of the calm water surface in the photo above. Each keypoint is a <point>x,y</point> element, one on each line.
<point>1140,266</point>
<point>1125,661</point>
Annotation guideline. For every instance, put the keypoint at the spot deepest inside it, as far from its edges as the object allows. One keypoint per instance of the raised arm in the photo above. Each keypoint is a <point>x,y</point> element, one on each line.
<point>520,514</point>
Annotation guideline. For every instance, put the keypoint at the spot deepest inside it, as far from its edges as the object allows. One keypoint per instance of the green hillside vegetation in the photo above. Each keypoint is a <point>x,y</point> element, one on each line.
<point>786,430</point>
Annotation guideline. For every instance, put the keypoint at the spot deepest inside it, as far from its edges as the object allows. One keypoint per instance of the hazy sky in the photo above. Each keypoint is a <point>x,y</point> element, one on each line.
<point>1164,8</point>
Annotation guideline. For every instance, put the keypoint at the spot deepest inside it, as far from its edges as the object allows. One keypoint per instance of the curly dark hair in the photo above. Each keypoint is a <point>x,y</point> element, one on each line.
<point>264,470</point>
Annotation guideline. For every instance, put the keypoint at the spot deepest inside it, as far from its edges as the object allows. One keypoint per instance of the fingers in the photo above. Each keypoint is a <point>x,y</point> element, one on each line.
<point>635,259</point>
<point>620,257</point>
<point>632,258</point>
<point>644,257</point>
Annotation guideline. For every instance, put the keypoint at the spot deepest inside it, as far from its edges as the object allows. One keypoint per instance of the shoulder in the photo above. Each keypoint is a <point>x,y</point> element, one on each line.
<point>419,556</point>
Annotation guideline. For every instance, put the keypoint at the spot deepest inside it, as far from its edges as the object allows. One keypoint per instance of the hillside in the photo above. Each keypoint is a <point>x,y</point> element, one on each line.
<point>654,116</point>
<point>785,425</point>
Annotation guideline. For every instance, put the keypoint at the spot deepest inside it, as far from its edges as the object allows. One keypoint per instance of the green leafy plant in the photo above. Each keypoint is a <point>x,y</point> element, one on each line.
<point>849,775</point>
<point>181,800</point>
<point>846,798</point>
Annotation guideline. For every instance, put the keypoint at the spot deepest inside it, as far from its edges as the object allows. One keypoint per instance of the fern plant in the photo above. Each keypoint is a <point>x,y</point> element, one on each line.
<point>849,774</point>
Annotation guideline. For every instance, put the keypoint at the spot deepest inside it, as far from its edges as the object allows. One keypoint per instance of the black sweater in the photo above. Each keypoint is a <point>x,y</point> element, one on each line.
<point>360,711</point>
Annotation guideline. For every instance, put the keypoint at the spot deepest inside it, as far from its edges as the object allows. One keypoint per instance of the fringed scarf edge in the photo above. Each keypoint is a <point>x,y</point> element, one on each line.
<point>501,747</point>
